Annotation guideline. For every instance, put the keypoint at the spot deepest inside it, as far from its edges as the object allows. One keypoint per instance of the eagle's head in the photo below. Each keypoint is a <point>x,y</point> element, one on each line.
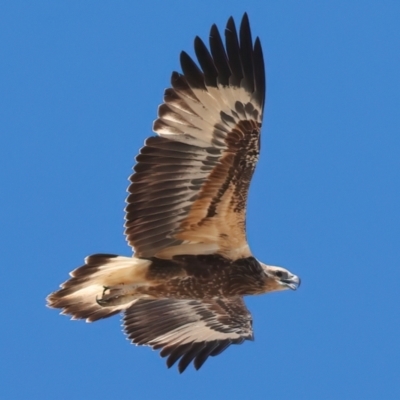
<point>278,278</point>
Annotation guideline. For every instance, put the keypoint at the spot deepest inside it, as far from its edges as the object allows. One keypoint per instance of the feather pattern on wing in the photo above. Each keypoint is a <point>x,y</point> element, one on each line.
<point>189,330</point>
<point>189,190</point>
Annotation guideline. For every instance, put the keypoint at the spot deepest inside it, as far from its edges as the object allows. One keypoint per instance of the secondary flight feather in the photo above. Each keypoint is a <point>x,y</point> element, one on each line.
<point>182,290</point>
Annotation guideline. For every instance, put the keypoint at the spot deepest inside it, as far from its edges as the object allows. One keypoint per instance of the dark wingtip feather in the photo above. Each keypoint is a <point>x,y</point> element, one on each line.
<point>259,73</point>
<point>206,62</point>
<point>192,72</point>
<point>245,20</point>
<point>238,63</point>
<point>219,56</point>
<point>203,355</point>
<point>176,354</point>
<point>188,357</point>
<point>246,54</point>
<point>222,346</point>
<point>233,53</point>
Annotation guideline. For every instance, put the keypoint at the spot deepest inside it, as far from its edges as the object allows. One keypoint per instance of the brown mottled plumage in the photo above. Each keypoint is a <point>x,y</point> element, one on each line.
<point>182,291</point>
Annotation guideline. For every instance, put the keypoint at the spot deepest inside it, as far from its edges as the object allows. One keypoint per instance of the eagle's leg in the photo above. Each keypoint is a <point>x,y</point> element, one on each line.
<point>118,295</point>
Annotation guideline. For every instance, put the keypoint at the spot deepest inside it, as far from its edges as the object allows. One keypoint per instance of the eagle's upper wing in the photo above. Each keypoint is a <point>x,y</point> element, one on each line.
<point>189,190</point>
<point>189,330</point>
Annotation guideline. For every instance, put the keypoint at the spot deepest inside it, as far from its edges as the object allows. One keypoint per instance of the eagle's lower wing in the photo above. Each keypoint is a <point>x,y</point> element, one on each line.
<point>189,190</point>
<point>189,330</point>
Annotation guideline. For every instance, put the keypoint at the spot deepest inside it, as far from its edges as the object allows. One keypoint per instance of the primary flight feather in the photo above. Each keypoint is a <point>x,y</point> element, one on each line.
<point>182,290</point>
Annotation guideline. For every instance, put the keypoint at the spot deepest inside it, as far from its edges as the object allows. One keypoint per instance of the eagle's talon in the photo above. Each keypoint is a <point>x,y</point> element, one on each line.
<point>106,299</point>
<point>112,296</point>
<point>101,302</point>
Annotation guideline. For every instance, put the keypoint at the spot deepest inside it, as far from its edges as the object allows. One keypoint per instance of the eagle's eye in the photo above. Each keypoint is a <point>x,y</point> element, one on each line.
<point>279,274</point>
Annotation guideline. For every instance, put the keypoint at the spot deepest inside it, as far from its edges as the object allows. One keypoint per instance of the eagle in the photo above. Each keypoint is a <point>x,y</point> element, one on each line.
<point>182,290</point>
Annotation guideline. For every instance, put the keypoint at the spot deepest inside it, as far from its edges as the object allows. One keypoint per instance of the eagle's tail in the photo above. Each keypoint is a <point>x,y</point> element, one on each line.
<point>78,296</point>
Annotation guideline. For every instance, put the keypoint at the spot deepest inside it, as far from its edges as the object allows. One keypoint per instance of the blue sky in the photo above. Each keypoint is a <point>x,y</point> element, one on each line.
<point>80,83</point>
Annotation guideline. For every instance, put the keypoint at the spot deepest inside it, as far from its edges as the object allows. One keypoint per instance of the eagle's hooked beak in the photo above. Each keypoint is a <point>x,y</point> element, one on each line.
<point>293,282</point>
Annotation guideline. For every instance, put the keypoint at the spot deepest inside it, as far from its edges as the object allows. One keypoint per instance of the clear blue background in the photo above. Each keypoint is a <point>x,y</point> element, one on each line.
<point>80,82</point>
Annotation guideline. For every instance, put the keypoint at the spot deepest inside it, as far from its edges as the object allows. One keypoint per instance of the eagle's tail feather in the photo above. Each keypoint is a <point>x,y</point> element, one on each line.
<point>78,296</point>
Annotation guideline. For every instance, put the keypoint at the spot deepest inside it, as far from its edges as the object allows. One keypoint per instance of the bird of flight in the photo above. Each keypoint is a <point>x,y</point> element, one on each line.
<point>182,290</point>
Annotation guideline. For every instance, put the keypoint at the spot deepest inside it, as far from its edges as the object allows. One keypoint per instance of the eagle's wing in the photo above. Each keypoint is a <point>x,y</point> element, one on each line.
<point>189,330</point>
<point>189,190</point>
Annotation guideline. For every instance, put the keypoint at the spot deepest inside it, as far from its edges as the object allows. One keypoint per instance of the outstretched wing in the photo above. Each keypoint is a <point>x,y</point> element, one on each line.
<point>189,190</point>
<point>189,330</point>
